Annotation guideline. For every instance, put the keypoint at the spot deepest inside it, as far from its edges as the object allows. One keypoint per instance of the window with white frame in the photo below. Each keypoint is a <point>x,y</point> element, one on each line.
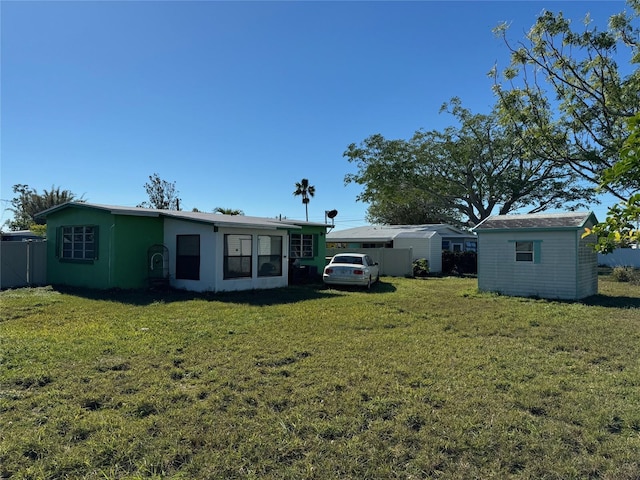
<point>79,242</point>
<point>301,245</point>
<point>524,251</point>
<point>269,256</point>
<point>237,256</point>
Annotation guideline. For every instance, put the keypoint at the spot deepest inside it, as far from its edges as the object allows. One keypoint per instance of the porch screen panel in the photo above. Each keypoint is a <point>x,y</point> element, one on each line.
<point>188,257</point>
<point>237,256</point>
<point>269,256</point>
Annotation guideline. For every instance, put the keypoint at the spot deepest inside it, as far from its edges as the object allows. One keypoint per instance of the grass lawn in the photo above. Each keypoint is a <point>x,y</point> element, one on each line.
<point>415,379</point>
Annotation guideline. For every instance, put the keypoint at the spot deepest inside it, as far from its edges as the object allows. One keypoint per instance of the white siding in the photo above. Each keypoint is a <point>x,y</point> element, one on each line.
<point>212,257</point>
<point>553,275</point>
<point>255,282</point>
<point>208,263</point>
<point>423,247</point>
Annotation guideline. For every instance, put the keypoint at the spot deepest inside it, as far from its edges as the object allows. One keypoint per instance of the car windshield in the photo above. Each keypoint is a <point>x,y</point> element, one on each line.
<point>348,259</point>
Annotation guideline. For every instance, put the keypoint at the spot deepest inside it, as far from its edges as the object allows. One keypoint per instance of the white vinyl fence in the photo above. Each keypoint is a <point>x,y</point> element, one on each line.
<point>394,262</point>
<point>23,264</point>
<point>621,257</point>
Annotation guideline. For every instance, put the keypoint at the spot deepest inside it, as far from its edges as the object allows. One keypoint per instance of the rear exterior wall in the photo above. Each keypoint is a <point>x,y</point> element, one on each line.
<point>122,249</point>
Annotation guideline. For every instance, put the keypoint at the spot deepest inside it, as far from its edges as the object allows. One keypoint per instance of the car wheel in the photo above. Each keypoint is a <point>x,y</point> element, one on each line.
<point>369,283</point>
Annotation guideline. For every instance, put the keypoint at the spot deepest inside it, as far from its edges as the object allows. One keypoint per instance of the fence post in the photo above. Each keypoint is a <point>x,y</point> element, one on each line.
<point>29,262</point>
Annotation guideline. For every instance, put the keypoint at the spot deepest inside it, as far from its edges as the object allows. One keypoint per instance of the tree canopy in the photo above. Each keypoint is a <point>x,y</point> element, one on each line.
<point>28,203</point>
<point>621,228</point>
<point>565,95</point>
<point>162,194</point>
<point>555,133</point>
<point>460,175</point>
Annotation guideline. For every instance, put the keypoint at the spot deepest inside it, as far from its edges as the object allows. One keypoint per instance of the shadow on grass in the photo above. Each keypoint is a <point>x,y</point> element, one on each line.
<point>285,295</point>
<point>600,300</point>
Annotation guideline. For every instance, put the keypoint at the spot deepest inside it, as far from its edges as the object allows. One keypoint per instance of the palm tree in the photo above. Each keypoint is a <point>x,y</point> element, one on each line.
<point>28,202</point>
<point>228,211</point>
<point>305,190</point>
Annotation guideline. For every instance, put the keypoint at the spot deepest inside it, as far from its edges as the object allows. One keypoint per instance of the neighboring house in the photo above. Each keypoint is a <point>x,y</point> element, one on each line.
<point>424,241</point>
<point>20,236</point>
<point>103,246</point>
<point>537,255</point>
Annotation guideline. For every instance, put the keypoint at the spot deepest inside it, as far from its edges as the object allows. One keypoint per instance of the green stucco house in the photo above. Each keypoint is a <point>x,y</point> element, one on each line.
<point>104,247</point>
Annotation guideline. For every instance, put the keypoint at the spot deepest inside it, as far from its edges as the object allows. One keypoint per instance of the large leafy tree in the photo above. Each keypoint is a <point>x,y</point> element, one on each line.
<point>565,94</point>
<point>306,191</point>
<point>28,203</point>
<point>621,228</point>
<point>163,195</point>
<point>460,175</point>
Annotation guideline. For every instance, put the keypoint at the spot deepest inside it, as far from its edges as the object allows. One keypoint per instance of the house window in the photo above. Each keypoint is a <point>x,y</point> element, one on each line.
<point>79,243</point>
<point>269,256</point>
<point>301,245</point>
<point>237,256</point>
<point>445,244</point>
<point>524,251</point>
<point>188,257</point>
<point>378,245</point>
<point>471,246</point>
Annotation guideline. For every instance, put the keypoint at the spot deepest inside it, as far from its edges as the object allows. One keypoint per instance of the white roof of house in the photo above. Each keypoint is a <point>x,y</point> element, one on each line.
<point>386,233</point>
<point>218,219</point>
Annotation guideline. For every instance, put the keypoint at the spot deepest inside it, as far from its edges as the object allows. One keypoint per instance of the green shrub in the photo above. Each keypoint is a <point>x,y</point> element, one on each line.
<point>421,267</point>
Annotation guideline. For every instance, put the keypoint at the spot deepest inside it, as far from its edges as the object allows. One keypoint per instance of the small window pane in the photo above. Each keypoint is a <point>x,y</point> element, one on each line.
<point>79,243</point>
<point>524,251</point>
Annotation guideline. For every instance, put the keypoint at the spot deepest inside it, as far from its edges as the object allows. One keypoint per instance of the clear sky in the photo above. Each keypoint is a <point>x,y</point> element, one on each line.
<point>235,102</point>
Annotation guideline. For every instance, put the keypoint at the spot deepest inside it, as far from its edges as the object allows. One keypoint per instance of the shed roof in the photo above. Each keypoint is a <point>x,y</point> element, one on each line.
<point>212,218</point>
<point>386,233</point>
<point>548,221</point>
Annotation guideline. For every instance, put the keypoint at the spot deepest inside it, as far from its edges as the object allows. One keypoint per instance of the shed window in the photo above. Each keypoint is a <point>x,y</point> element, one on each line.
<point>237,256</point>
<point>524,251</point>
<point>79,243</point>
<point>188,257</point>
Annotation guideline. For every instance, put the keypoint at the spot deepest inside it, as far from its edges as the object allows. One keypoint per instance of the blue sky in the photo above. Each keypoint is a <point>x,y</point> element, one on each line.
<point>237,101</point>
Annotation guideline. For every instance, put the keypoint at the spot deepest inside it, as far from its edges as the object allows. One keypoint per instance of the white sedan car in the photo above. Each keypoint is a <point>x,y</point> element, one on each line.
<point>351,269</point>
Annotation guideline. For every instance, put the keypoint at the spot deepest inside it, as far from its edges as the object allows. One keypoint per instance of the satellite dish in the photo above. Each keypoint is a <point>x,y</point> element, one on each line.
<point>332,213</point>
